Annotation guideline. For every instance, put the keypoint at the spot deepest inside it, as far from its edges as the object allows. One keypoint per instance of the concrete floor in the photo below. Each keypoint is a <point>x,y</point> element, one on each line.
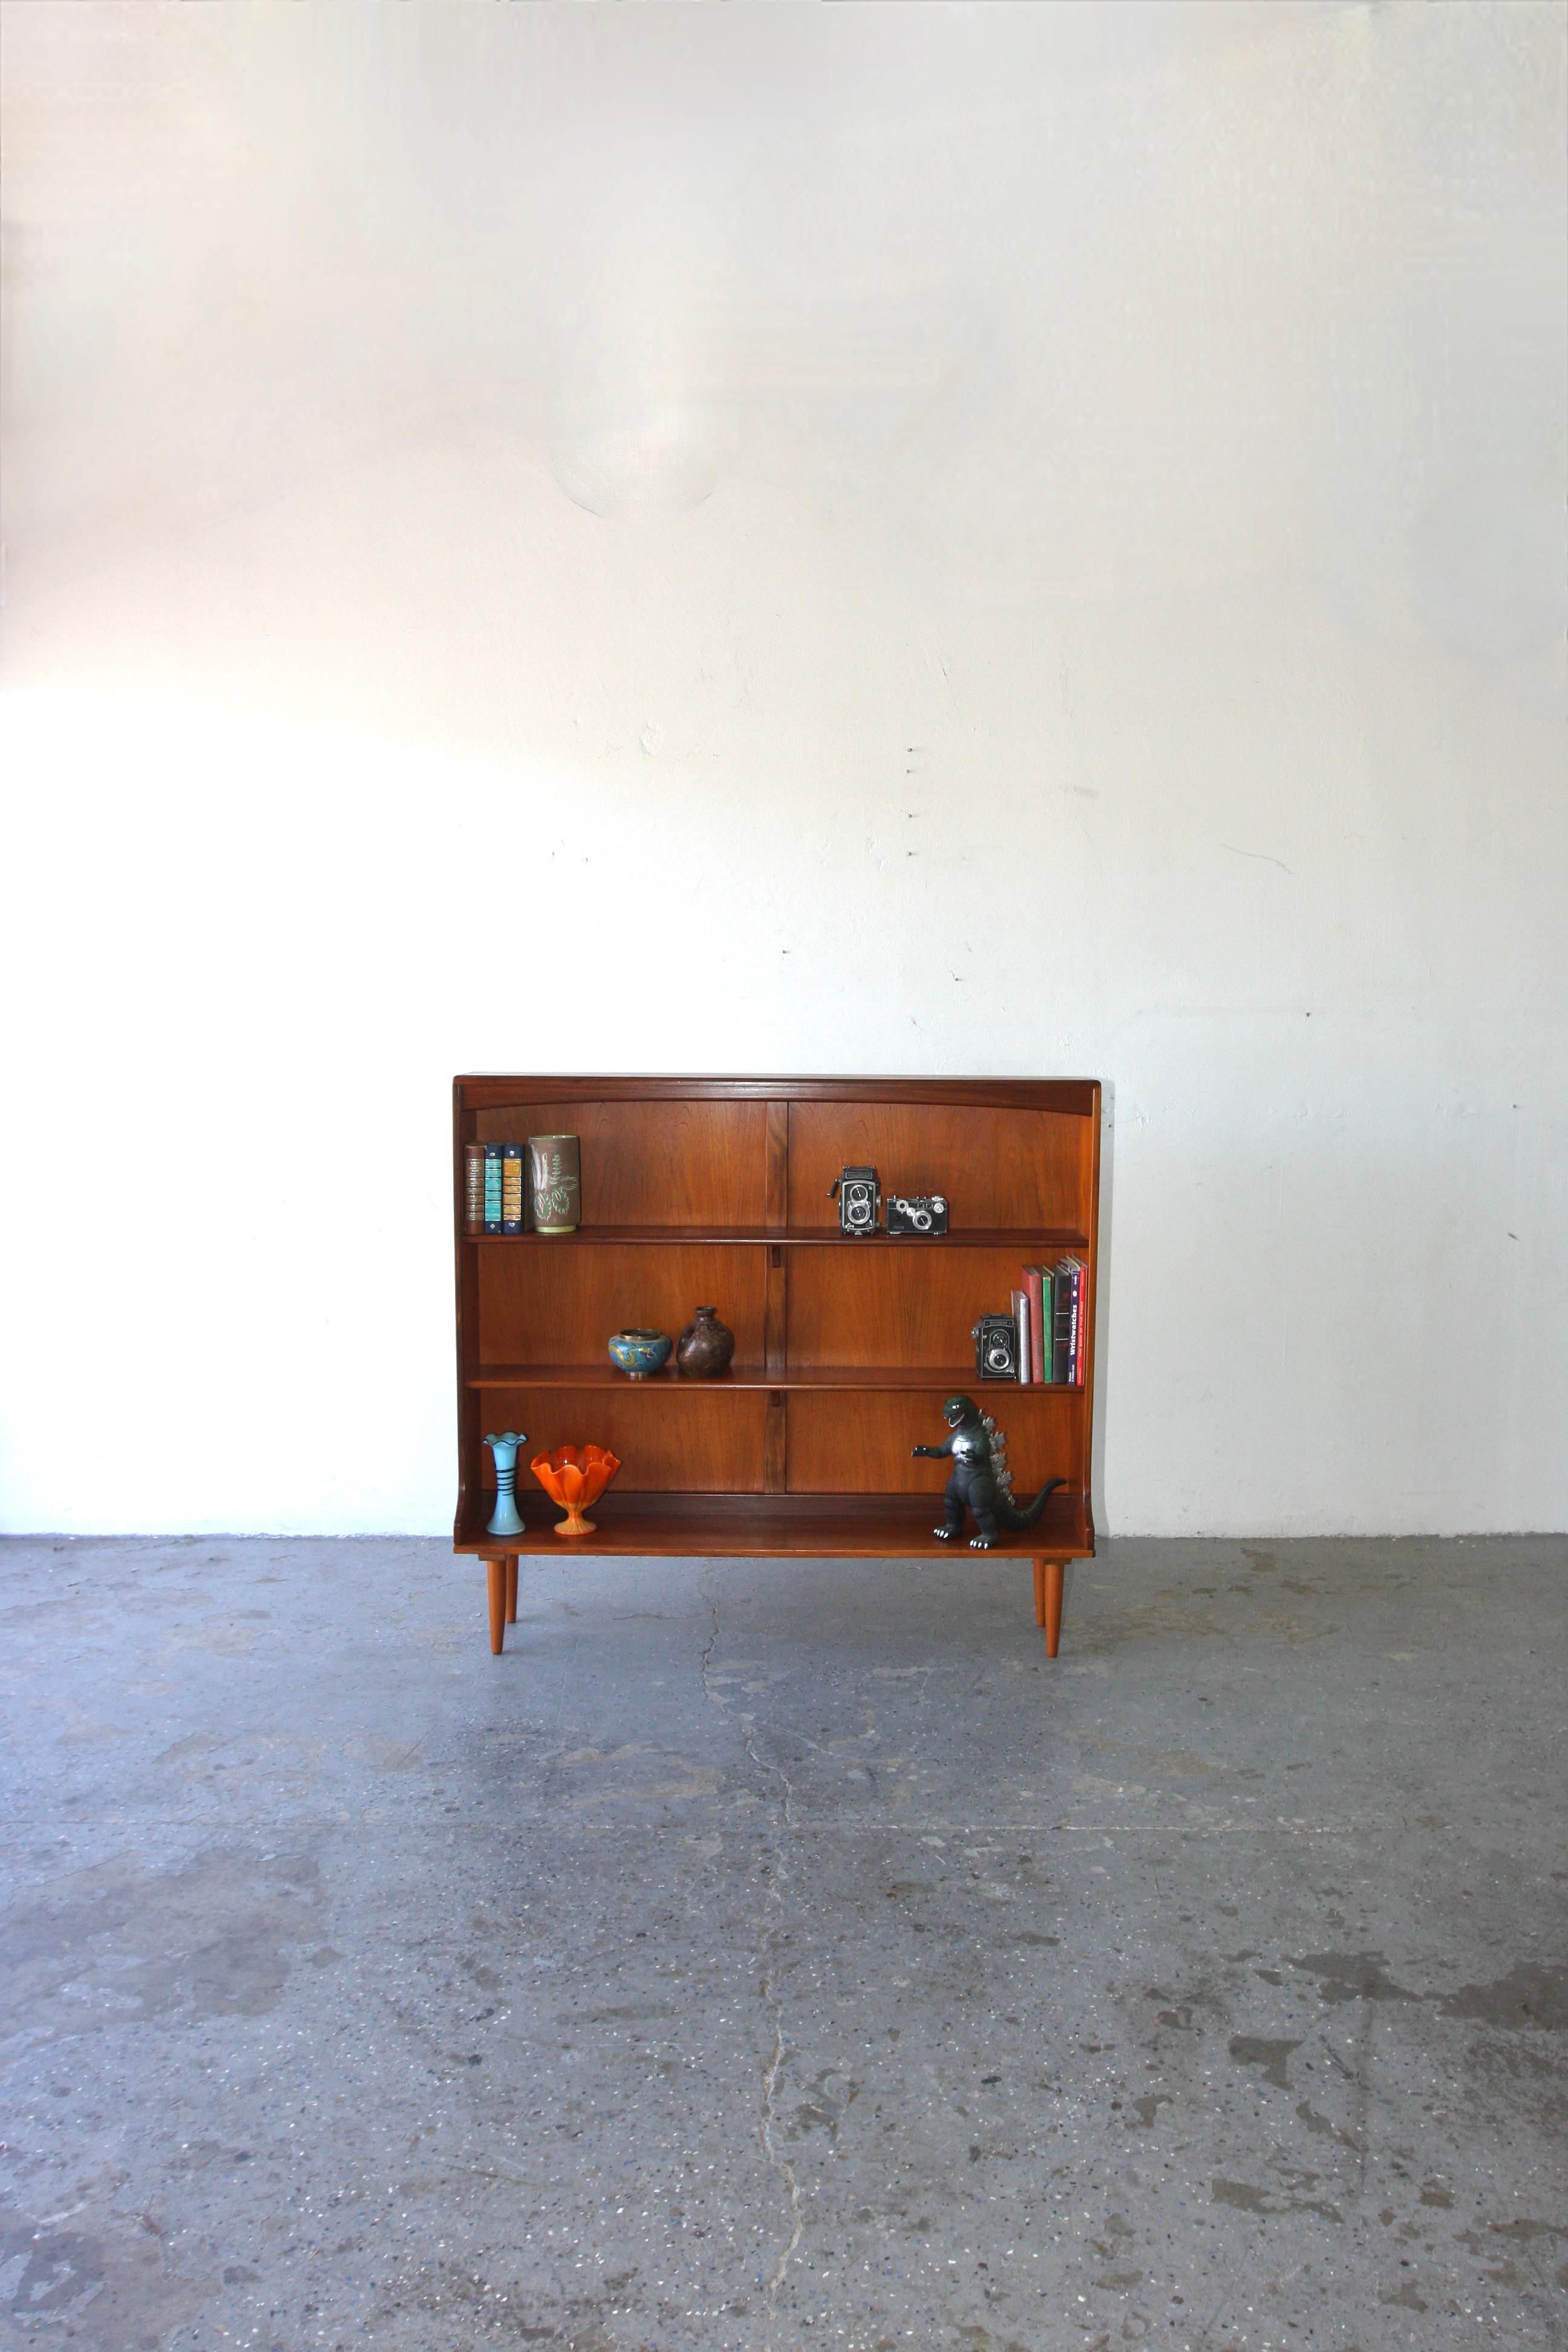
<point>784,1956</point>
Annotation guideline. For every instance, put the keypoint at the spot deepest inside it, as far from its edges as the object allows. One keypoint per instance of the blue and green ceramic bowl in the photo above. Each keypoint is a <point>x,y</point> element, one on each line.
<point>640,1353</point>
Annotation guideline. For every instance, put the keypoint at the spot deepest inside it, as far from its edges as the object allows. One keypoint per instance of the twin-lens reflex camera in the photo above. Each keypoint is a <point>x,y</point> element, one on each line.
<point>860,1198</point>
<point>995,1340</point>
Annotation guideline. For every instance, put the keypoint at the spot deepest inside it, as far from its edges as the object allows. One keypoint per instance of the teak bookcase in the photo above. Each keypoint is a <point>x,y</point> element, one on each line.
<point>716,1191</point>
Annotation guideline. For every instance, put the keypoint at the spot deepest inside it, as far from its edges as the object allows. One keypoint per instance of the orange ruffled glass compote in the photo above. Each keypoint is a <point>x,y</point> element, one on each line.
<point>574,1476</point>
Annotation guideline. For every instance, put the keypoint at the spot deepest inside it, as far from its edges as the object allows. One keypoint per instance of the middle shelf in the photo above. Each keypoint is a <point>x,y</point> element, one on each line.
<point>919,1377</point>
<point>1020,1237</point>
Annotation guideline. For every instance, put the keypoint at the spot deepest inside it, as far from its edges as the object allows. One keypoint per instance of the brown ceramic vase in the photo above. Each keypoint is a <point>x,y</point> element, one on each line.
<point>705,1347</point>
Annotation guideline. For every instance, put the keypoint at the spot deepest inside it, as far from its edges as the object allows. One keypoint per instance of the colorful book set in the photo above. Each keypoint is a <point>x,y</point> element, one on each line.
<point>493,1196</point>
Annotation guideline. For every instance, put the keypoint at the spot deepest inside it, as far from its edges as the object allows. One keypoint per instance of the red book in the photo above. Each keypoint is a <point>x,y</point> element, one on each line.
<point>474,1188</point>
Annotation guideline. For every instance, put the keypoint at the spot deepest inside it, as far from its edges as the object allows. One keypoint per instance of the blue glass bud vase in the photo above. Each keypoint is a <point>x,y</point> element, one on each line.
<point>508,1519</point>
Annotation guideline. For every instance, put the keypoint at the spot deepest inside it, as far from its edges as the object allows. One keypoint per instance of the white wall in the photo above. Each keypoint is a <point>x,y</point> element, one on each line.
<point>934,539</point>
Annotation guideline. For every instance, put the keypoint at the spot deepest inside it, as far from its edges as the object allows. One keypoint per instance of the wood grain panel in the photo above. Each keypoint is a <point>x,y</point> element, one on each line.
<point>907,1304</point>
<point>775,1444</point>
<point>655,1163</point>
<point>710,1441</point>
<point>557,1302</point>
<point>997,1166</point>
<point>777,1183</point>
<point>861,1444</point>
<point>775,1313</point>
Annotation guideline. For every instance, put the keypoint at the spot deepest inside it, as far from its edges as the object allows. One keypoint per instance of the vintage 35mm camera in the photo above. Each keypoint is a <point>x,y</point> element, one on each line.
<point>995,1340</point>
<point>928,1214</point>
<point>860,1200</point>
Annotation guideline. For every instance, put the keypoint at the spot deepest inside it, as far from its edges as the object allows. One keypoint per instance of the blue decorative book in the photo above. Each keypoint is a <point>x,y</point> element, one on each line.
<point>511,1188</point>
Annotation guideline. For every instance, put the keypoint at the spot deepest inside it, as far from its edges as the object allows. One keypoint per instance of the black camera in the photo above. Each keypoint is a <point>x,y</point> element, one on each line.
<point>860,1200</point>
<point>995,1338</point>
<point>926,1215</point>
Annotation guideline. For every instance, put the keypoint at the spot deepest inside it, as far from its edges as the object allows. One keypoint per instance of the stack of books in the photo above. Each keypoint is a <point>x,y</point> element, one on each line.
<point>1051,1312</point>
<point>493,1194</point>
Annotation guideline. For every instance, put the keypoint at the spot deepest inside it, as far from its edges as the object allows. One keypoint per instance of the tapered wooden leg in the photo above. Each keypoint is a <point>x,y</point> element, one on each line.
<point>511,1588</point>
<point>1049,1601</point>
<point>495,1569</point>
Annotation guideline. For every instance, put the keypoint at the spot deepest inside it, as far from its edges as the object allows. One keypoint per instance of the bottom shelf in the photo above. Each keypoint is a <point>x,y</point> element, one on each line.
<point>775,1526</point>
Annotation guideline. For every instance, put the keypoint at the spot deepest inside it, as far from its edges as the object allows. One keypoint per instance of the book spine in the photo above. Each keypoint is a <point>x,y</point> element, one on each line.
<point>474,1188</point>
<point>1021,1323</point>
<point>1061,1323</point>
<point>1082,1325</point>
<point>1035,1285</point>
<point>511,1188</point>
<point>492,1188</point>
<point>1073,1269</point>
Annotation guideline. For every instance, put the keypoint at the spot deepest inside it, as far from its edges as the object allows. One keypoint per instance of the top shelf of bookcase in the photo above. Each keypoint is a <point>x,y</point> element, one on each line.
<point>972,1237</point>
<point>481,1091</point>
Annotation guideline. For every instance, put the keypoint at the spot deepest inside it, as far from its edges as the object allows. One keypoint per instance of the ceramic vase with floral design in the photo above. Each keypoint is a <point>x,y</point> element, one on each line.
<point>555,1183</point>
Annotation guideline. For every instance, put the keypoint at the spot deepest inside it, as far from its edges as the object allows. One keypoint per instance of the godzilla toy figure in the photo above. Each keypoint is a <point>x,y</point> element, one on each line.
<point>981,1481</point>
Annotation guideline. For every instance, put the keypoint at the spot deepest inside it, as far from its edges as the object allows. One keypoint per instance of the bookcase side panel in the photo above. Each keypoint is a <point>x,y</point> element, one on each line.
<point>655,1164</point>
<point>1022,1167</point>
<point>469,1469</point>
<point>704,1441</point>
<point>1092,1153</point>
<point>559,1301</point>
<point>858,1443</point>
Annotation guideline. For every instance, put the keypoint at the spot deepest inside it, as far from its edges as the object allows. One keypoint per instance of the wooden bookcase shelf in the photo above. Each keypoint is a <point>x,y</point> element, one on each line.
<point>621,1236</point>
<point>839,1527</point>
<point>845,1348</point>
<point>669,1382</point>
